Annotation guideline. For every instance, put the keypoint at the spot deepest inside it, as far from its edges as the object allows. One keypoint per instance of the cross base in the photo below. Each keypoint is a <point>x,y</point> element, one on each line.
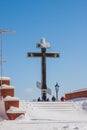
<point>44,94</point>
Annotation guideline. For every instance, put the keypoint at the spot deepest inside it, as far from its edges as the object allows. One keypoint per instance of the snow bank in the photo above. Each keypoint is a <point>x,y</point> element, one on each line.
<point>2,111</point>
<point>78,99</point>
<point>40,119</point>
<point>36,111</point>
<point>9,98</point>
<point>4,86</point>
<point>21,117</point>
<point>84,105</point>
<point>79,90</point>
<point>84,89</point>
<point>15,110</point>
<point>4,78</point>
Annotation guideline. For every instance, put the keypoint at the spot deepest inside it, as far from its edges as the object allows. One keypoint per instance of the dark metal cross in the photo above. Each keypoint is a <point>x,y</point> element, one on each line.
<point>43,45</point>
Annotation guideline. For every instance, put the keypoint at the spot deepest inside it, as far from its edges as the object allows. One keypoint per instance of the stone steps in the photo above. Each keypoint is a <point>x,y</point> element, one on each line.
<point>49,106</point>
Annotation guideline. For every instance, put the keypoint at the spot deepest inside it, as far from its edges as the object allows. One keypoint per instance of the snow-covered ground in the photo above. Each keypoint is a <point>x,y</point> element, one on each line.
<point>71,115</point>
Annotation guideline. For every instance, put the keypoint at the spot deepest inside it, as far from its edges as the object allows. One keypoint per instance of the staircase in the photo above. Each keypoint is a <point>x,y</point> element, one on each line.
<point>49,110</point>
<point>49,106</point>
<point>54,106</point>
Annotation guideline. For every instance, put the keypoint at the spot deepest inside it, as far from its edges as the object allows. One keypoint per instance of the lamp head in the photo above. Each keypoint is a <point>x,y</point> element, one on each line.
<point>57,86</point>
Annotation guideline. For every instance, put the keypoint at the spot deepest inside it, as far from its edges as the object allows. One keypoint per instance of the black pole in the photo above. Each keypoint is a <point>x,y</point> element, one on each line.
<point>44,86</point>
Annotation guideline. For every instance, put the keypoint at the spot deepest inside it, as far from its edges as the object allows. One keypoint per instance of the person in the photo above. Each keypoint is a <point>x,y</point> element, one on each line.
<point>53,98</point>
<point>47,99</point>
<point>62,99</point>
<point>44,97</point>
<point>38,99</point>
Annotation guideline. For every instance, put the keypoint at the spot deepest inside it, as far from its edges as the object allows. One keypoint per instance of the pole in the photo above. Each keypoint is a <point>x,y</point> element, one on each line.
<point>56,95</point>
<point>1,61</point>
<point>44,87</point>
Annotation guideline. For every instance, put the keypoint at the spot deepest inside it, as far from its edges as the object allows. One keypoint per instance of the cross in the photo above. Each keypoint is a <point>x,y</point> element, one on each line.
<point>43,45</point>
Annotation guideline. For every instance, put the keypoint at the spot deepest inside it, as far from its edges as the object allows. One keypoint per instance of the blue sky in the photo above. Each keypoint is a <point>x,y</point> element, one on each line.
<point>64,24</point>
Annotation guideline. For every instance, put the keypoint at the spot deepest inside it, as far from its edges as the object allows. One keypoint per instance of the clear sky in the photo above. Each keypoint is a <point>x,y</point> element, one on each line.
<point>64,24</point>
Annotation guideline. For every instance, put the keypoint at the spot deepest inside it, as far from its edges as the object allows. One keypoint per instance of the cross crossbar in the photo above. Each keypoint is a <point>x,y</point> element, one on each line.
<point>51,55</point>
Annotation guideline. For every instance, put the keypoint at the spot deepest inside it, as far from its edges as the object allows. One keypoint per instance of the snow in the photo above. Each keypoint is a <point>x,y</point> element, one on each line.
<point>79,90</point>
<point>4,86</point>
<point>79,99</point>
<point>84,106</point>
<point>71,115</point>
<point>44,44</point>
<point>5,78</point>
<point>9,98</point>
<point>15,110</point>
<point>84,89</point>
<point>2,111</point>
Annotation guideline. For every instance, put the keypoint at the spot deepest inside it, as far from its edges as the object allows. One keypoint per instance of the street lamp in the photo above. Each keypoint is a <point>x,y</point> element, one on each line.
<point>57,90</point>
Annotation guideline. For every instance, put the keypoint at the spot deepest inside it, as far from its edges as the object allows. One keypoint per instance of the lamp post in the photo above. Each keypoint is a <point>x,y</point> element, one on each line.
<point>57,90</point>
